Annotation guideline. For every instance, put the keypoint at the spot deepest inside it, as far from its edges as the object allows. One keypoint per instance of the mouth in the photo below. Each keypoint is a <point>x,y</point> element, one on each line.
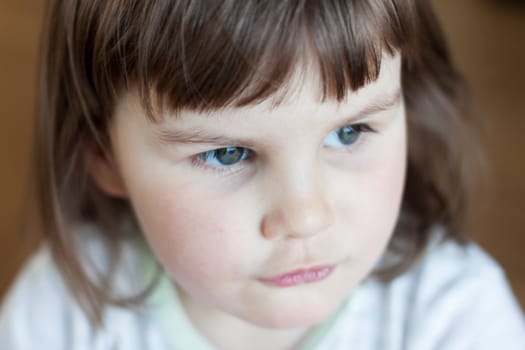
<point>300,276</point>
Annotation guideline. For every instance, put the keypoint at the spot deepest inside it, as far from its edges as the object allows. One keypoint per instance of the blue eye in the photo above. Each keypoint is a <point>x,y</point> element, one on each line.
<point>224,157</point>
<point>345,136</point>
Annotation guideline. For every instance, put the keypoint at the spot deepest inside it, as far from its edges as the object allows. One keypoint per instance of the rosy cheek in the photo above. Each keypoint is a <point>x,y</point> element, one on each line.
<point>194,239</point>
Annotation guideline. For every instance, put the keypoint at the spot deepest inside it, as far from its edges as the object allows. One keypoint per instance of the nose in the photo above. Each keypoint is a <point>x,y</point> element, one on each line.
<point>297,213</point>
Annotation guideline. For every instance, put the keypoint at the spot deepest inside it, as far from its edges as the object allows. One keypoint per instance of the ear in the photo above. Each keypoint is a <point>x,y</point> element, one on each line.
<point>104,171</point>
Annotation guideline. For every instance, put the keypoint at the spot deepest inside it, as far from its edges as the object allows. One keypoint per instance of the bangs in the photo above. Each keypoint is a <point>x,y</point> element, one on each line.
<point>206,55</point>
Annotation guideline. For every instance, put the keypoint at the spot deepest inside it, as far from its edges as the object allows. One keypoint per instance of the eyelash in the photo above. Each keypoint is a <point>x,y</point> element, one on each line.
<point>198,161</point>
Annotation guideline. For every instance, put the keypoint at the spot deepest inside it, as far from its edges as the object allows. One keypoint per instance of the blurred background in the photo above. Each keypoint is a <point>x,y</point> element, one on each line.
<point>487,39</point>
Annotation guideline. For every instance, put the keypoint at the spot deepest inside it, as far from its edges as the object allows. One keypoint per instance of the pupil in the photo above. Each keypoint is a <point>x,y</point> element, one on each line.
<point>347,135</point>
<point>229,155</point>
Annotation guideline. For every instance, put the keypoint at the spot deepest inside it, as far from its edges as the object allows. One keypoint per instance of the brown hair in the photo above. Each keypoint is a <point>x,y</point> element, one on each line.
<point>208,54</point>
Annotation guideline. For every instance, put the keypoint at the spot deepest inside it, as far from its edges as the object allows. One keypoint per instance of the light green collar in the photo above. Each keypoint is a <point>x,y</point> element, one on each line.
<point>170,314</point>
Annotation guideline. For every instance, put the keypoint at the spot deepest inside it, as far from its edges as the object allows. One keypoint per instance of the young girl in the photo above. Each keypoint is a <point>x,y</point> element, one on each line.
<point>236,175</point>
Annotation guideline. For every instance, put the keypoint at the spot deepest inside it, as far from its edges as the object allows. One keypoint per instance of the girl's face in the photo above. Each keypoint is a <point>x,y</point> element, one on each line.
<point>270,214</point>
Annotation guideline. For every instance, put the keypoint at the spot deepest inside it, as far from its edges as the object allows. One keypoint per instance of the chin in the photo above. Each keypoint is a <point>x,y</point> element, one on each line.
<point>295,316</point>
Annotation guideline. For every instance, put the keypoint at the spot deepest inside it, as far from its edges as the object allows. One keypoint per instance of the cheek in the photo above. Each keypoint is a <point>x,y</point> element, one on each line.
<point>193,237</point>
<point>372,210</point>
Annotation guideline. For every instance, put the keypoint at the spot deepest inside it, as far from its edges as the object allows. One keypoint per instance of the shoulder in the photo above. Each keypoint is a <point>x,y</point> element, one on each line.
<point>39,311</point>
<point>459,297</point>
<point>37,296</point>
<point>456,297</point>
<point>451,271</point>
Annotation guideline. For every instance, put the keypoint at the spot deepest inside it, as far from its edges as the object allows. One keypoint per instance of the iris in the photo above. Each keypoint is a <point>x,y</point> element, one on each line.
<point>345,136</point>
<point>225,156</point>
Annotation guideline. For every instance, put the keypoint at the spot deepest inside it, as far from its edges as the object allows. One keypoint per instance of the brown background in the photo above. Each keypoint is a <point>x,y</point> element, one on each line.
<point>488,44</point>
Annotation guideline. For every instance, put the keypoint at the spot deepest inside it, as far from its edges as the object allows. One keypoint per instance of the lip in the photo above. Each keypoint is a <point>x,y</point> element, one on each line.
<point>300,276</point>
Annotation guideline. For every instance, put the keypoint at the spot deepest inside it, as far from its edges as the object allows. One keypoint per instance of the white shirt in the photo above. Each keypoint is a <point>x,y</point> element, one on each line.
<point>455,299</point>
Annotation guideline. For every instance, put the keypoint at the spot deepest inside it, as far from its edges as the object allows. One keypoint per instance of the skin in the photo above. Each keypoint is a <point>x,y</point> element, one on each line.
<point>300,200</point>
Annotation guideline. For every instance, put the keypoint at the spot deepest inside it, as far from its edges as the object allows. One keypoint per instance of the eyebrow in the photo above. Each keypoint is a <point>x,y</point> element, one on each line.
<point>203,136</point>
